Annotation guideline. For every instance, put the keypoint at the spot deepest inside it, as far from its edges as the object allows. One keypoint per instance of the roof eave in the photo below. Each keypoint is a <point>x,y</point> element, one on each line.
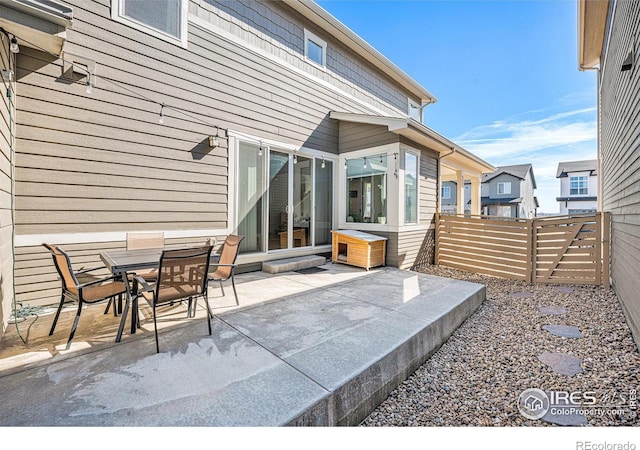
<point>319,16</point>
<point>592,19</point>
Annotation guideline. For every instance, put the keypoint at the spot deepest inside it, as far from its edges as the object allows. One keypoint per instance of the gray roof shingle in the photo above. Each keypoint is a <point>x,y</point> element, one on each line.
<point>577,166</point>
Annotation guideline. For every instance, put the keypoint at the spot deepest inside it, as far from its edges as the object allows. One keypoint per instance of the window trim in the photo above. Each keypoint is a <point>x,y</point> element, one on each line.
<point>117,14</point>
<point>416,154</point>
<point>448,196</point>
<point>309,36</point>
<point>580,179</point>
<point>504,184</point>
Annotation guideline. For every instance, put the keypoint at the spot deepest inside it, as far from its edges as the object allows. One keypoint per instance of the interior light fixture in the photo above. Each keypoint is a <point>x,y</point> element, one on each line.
<point>323,165</point>
<point>161,118</point>
<point>14,47</point>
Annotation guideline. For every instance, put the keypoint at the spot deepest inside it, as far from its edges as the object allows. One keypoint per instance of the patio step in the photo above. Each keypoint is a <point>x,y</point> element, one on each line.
<point>291,264</point>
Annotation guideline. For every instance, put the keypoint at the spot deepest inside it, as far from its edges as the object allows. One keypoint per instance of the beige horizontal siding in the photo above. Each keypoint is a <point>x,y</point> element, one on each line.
<point>620,159</point>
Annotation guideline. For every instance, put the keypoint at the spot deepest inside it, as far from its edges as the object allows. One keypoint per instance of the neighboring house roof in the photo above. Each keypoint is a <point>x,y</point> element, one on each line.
<point>319,16</point>
<point>518,171</point>
<point>420,133</point>
<point>592,18</point>
<point>577,166</point>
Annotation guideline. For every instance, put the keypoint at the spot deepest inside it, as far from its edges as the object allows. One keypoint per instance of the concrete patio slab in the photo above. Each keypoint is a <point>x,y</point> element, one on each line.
<point>325,352</point>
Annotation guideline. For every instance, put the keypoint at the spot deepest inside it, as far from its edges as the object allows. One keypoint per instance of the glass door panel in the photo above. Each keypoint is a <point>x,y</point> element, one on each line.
<point>323,219</point>
<point>278,200</point>
<point>302,191</point>
<point>250,198</point>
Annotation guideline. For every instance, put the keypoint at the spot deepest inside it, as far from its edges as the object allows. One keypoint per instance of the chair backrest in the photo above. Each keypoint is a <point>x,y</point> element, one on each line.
<point>139,241</point>
<point>182,273</point>
<point>229,254</point>
<point>63,266</point>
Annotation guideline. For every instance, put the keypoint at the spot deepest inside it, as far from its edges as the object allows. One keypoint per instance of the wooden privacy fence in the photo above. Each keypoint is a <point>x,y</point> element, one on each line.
<point>559,249</point>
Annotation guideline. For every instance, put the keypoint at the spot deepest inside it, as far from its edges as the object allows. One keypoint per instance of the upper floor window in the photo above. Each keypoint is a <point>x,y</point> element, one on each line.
<point>315,49</point>
<point>504,188</point>
<point>446,192</point>
<point>165,19</point>
<point>578,186</point>
<point>414,110</point>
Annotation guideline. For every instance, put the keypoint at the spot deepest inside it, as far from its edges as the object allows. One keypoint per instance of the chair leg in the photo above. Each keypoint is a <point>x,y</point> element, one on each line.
<point>75,324</point>
<point>233,283</point>
<point>155,328</point>
<point>55,319</point>
<point>209,313</point>
<point>222,288</point>
<point>123,319</point>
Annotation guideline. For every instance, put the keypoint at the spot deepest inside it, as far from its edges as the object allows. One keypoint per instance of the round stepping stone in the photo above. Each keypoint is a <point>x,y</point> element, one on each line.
<point>564,331</point>
<point>562,363</point>
<point>565,289</point>
<point>555,310</point>
<point>522,295</point>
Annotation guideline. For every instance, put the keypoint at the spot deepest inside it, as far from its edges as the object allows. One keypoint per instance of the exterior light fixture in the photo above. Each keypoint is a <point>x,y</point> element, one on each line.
<point>365,163</point>
<point>628,62</point>
<point>89,89</point>
<point>345,165</point>
<point>323,165</point>
<point>295,157</point>
<point>214,141</point>
<point>14,47</point>
<point>161,118</point>
<point>260,149</point>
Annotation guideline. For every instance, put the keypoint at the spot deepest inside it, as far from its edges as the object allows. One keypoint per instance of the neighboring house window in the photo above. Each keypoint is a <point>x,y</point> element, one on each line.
<point>410,188</point>
<point>367,189</point>
<point>315,49</point>
<point>467,187</point>
<point>504,188</point>
<point>165,19</point>
<point>446,192</point>
<point>578,186</point>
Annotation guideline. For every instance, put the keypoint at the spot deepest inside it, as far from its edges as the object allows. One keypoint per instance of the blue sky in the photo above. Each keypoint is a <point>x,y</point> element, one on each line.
<point>505,74</point>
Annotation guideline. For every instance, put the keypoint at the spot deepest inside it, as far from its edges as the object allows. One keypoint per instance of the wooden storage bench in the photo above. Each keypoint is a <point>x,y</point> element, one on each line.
<point>358,248</point>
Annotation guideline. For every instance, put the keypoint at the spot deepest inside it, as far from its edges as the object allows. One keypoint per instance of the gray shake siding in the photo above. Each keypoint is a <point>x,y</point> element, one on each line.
<point>620,157</point>
<point>6,253</point>
<point>101,162</point>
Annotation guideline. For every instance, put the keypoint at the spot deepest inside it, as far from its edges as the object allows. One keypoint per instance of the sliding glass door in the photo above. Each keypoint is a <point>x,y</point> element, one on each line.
<point>285,200</point>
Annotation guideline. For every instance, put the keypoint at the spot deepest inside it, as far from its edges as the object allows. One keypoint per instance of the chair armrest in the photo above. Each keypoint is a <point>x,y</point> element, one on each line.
<point>102,280</point>
<point>145,286</point>
<point>83,270</point>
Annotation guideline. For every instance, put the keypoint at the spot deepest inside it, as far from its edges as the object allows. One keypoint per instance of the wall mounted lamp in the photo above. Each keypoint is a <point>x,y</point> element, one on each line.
<point>628,62</point>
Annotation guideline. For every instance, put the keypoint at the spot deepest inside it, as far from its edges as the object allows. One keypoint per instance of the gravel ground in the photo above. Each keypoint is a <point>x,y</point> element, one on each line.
<point>475,378</point>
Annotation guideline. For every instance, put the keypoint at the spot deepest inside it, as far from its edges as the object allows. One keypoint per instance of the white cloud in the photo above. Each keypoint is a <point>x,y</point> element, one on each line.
<point>543,138</point>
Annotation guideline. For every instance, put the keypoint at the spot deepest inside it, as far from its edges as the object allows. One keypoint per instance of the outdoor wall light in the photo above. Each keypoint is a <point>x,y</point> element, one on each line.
<point>214,141</point>
<point>161,118</point>
<point>628,62</point>
<point>89,89</point>
<point>323,165</point>
<point>14,47</point>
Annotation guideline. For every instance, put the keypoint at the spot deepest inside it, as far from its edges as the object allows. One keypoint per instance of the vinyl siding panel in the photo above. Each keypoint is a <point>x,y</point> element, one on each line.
<point>357,136</point>
<point>620,158</point>
<point>428,197</point>
<point>6,244</point>
<point>101,162</point>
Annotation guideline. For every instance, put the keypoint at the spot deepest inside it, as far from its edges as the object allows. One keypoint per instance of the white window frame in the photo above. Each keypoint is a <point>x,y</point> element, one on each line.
<point>506,188</point>
<point>448,195</point>
<point>581,180</point>
<point>411,105</point>
<point>404,193</point>
<point>309,36</point>
<point>117,14</point>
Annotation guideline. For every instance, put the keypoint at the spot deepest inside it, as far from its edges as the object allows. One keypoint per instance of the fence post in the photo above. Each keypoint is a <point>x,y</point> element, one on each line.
<point>599,255</point>
<point>531,249</point>
<point>437,237</point>
<point>606,248</point>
